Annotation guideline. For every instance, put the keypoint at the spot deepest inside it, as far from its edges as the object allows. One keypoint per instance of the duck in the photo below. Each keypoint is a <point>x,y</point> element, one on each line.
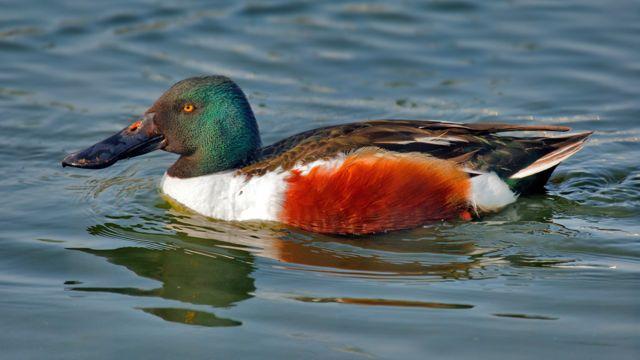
<point>356,178</point>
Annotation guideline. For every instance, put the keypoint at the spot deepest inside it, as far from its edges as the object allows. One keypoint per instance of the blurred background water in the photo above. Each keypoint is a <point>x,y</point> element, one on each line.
<point>98,264</point>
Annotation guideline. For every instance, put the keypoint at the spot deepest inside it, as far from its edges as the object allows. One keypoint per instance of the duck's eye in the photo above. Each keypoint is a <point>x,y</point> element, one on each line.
<point>188,108</point>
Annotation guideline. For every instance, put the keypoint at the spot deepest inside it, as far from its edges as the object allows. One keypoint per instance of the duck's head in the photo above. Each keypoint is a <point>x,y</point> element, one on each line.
<point>206,120</point>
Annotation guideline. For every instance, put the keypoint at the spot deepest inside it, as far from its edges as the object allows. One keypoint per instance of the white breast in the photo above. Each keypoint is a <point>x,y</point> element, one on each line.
<point>228,196</point>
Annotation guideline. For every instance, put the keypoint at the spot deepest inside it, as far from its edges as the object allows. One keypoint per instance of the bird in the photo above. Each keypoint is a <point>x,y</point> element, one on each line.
<point>357,178</point>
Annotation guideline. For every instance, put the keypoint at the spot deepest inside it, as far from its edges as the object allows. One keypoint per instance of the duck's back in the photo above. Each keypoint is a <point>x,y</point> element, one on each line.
<point>475,147</point>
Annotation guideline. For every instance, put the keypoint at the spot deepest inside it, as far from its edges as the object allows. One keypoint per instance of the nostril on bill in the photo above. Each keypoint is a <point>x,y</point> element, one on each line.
<point>135,126</point>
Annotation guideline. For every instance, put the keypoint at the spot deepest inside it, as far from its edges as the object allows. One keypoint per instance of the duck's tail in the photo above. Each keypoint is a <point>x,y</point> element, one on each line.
<point>533,177</point>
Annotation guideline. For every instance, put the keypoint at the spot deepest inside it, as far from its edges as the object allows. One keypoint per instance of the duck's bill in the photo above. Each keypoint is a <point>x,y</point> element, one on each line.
<point>136,139</point>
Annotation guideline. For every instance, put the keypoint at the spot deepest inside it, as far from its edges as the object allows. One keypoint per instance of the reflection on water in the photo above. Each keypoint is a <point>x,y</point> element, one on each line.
<point>201,261</point>
<point>190,317</point>
<point>385,302</point>
<point>372,256</point>
<point>188,276</point>
<point>525,316</point>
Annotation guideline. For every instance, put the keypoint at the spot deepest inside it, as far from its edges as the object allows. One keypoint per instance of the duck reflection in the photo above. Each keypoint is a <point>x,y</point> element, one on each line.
<point>202,261</point>
<point>429,252</point>
<point>191,276</point>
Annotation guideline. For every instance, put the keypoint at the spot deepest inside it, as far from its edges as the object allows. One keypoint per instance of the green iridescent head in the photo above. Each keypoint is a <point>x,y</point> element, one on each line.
<point>209,122</point>
<point>206,120</point>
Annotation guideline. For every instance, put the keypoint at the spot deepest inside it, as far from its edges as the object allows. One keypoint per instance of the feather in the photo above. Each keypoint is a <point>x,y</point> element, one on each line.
<point>553,158</point>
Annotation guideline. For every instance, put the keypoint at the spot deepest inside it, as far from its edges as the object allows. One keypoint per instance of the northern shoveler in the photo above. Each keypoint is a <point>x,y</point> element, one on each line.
<point>357,178</point>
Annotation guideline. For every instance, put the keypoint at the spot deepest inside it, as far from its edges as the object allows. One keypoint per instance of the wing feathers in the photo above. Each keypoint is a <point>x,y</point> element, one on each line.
<point>476,146</point>
<point>497,127</point>
<point>555,157</point>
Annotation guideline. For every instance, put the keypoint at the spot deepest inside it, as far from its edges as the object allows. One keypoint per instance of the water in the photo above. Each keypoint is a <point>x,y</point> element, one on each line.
<point>99,265</point>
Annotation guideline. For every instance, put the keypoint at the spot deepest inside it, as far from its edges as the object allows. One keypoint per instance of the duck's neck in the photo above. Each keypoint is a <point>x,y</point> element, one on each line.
<point>226,146</point>
<point>199,164</point>
<point>194,165</point>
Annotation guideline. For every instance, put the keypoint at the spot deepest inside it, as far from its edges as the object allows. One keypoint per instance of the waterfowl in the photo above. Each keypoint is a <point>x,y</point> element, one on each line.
<point>358,178</point>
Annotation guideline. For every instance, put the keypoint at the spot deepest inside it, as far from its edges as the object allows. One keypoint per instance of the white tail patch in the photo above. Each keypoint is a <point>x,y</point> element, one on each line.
<point>551,159</point>
<point>490,193</point>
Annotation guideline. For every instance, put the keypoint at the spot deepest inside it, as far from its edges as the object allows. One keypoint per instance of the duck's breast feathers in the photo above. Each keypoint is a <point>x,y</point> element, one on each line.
<point>228,195</point>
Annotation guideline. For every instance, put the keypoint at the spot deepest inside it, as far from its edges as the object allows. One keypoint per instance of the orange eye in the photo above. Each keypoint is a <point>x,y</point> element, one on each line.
<point>188,108</point>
